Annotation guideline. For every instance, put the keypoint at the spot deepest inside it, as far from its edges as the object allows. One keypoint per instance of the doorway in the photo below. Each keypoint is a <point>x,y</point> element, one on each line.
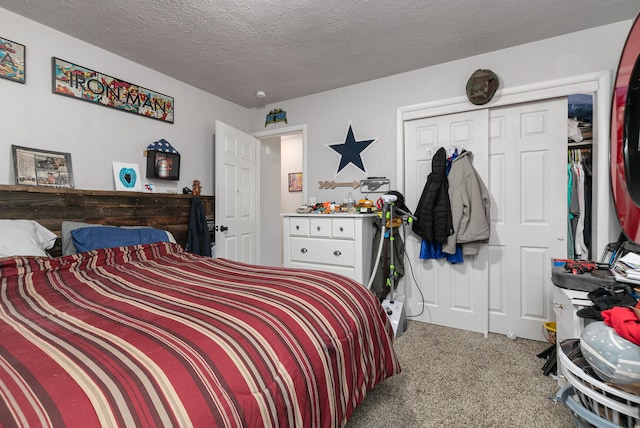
<point>280,153</point>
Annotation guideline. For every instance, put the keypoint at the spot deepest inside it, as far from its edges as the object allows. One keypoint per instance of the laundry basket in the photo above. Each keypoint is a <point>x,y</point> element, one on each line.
<point>599,404</point>
<point>581,415</point>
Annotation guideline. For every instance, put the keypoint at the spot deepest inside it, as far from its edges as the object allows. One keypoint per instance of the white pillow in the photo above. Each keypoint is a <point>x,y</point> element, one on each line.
<point>24,238</point>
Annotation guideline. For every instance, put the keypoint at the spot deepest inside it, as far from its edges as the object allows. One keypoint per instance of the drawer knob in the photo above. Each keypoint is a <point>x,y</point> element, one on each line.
<point>337,253</point>
<point>303,250</point>
<point>318,228</point>
<point>341,229</point>
<point>298,227</point>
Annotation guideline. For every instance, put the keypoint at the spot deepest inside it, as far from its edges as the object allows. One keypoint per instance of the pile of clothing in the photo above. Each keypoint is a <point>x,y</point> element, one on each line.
<point>611,347</point>
<point>607,298</point>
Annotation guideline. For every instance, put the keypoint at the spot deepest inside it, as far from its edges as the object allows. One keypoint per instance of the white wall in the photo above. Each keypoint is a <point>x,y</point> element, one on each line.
<point>31,115</point>
<point>372,106</point>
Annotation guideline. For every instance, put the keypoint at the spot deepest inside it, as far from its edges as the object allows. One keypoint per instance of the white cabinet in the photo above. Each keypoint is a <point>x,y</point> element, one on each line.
<point>566,304</point>
<point>340,243</point>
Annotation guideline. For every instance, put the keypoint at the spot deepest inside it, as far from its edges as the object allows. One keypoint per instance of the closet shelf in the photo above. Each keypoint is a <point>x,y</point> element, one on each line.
<point>582,144</point>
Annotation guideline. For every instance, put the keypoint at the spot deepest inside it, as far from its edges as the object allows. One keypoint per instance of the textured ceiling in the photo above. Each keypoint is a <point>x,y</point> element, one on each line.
<point>233,48</point>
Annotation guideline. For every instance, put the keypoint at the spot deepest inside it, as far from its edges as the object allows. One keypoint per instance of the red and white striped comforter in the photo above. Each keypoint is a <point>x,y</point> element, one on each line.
<point>154,336</point>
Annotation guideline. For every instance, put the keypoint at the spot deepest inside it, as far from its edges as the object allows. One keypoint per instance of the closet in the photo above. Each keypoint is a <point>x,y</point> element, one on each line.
<point>579,176</point>
<point>508,287</point>
<point>519,150</point>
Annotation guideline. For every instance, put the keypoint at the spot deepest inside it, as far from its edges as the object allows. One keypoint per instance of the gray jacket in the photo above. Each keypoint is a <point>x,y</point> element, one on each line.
<point>470,207</point>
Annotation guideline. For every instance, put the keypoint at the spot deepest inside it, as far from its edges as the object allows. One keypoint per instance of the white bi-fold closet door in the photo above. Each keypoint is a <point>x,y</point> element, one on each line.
<point>520,153</point>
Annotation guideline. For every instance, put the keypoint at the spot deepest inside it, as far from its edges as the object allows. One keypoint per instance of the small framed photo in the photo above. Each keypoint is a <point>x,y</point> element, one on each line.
<point>45,168</point>
<point>295,182</point>
<point>12,60</point>
<point>127,177</point>
<point>163,165</point>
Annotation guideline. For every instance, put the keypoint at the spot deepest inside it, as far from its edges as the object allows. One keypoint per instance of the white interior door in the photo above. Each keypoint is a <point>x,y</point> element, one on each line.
<point>528,186</point>
<point>455,295</point>
<point>235,183</point>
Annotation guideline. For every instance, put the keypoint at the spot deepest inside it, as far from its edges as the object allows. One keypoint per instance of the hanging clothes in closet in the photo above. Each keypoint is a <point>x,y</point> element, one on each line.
<point>579,171</point>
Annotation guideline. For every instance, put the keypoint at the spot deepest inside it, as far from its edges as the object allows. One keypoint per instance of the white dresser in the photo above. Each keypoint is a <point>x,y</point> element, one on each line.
<point>340,243</point>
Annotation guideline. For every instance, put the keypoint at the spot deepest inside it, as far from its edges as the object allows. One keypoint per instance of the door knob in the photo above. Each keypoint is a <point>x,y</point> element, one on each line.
<point>223,228</point>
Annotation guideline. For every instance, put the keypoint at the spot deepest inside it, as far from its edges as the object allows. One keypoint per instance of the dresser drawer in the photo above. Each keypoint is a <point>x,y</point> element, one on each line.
<point>349,272</point>
<point>299,226</point>
<point>320,227</point>
<point>343,228</point>
<point>323,251</point>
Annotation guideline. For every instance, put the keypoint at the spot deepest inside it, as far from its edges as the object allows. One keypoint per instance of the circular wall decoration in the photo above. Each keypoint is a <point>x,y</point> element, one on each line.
<point>482,86</point>
<point>625,137</point>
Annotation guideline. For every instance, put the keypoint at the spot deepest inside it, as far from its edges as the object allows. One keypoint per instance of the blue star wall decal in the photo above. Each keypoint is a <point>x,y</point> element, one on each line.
<point>351,150</point>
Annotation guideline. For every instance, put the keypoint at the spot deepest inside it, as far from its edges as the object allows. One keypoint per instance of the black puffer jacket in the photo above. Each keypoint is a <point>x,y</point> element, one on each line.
<point>433,213</point>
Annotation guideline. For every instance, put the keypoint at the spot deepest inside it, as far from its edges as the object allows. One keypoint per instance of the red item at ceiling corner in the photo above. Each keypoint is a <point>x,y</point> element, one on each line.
<point>625,145</point>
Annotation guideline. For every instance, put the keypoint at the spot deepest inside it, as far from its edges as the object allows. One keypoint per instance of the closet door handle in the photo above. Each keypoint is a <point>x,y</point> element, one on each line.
<point>303,250</point>
<point>337,253</point>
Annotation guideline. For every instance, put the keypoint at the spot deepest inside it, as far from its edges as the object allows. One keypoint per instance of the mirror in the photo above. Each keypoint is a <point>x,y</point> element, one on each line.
<point>625,138</point>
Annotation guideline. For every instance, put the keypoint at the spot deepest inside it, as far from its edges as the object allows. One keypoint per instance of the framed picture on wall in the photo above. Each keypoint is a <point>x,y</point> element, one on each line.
<point>12,60</point>
<point>295,182</point>
<point>45,168</point>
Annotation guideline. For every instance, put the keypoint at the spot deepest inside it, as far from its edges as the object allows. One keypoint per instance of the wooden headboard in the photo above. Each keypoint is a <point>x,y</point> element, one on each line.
<point>51,206</point>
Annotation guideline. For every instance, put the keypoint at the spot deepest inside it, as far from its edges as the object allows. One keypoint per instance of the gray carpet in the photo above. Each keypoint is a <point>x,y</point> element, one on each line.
<point>453,377</point>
